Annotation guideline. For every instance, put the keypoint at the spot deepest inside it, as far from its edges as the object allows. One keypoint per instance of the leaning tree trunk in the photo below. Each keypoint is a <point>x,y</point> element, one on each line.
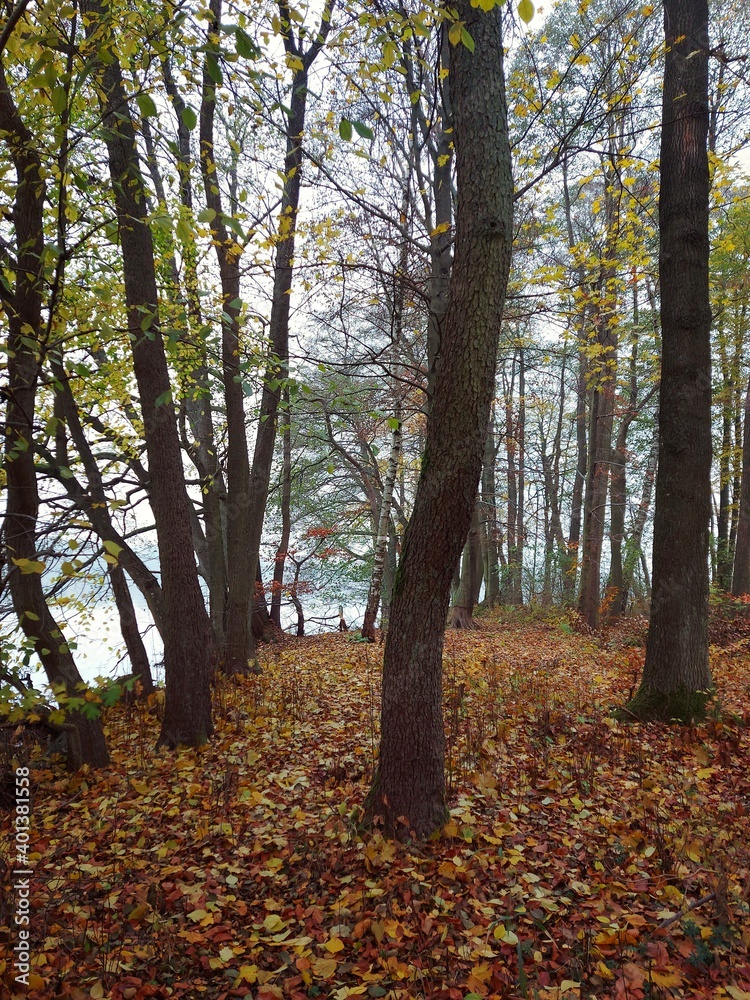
<point>188,645</point>
<point>676,675</point>
<point>23,308</point>
<point>408,794</point>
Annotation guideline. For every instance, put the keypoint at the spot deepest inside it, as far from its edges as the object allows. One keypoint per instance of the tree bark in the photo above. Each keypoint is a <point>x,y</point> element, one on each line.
<point>408,794</point>
<point>277,371</point>
<point>188,646</point>
<point>741,575</point>
<point>470,583</point>
<point>381,541</point>
<point>238,640</point>
<point>286,515</point>
<point>23,308</point>
<point>676,674</point>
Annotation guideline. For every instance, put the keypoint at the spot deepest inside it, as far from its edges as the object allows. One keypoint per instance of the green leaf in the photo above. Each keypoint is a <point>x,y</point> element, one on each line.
<point>467,40</point>
<point>184,232</point>
<point>189,117</point>
<point>166,397</point>
<point>146,105</point>
<point>526,11</point>
<point>112,547</point>
<point>30,565</point>
<point>361,129</point>
<point>246,47</point>
<point>207,215</point>
<point>345,129</point>
<point>32,615</point>
<point>59,99</point>
<point>213,69</point>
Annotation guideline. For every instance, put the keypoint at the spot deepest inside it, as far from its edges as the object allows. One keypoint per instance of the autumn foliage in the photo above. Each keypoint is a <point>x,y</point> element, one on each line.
<point>584,857</point>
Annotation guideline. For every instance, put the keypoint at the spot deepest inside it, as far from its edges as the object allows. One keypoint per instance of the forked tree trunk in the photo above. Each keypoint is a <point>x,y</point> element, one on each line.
<point>676,674</point>
<point>188,640</point>
<point>408,794</point>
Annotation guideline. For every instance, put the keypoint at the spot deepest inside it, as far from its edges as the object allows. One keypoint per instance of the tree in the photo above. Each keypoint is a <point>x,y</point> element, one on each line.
<point>22,305</point>
<point>676,676</point>
<point>188,645</point>
<point>408,792</point>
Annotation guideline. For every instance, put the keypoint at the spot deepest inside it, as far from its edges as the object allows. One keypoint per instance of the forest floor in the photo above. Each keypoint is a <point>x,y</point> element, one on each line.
<point>584,857</point>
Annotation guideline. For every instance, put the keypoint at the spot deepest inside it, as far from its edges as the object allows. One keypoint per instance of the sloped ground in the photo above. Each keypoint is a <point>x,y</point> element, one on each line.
<point>584,857</point>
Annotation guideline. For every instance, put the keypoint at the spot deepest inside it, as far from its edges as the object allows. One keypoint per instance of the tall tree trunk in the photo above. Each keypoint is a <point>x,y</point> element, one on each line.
<point>23,308</point>
<point>676,674</point>
<point>602,376</point>
<point>488,520</point>
<point>188,646</point>
<point>195,402</point>
<point>570,576</point>
<point>408,793</point>
<point>238,642</point>
<point>741,575</point>
<point>131,634</point>
<point>286,514</point>
<point>277,371</point>
<point>381,541</point>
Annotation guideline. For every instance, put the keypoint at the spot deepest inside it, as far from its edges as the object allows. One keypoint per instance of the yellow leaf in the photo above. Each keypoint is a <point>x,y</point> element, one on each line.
<point>96,991</point>
<point>249,973</point>
<point>324,968</point>
<point>666,978</point>
<point>736,993</point>
<point>694,852</point>
<point>140,786</point>
<point>507,937</point>
<point>35,982</point>
<point>333,945</point>
<point>138,913</point>
<point>454,33</point>
<point>526,11</point>
<point>273,923</point>
<point>569,984</point>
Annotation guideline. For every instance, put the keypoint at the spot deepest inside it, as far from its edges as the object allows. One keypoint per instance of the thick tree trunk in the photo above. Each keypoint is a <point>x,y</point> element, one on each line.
<point>23,308</point>
<point>408,794</point>
<point>188,645</point>
<point>676,675</point>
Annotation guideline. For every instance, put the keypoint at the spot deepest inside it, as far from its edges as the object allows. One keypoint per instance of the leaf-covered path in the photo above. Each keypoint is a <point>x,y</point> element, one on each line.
<point>584,857</point>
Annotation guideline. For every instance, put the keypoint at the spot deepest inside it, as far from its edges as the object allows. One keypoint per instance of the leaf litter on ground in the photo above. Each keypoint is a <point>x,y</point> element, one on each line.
<point>584,857</point>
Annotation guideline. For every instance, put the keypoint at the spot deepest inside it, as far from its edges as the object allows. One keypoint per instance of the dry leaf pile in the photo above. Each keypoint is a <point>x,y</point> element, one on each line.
<point>584,857</point>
